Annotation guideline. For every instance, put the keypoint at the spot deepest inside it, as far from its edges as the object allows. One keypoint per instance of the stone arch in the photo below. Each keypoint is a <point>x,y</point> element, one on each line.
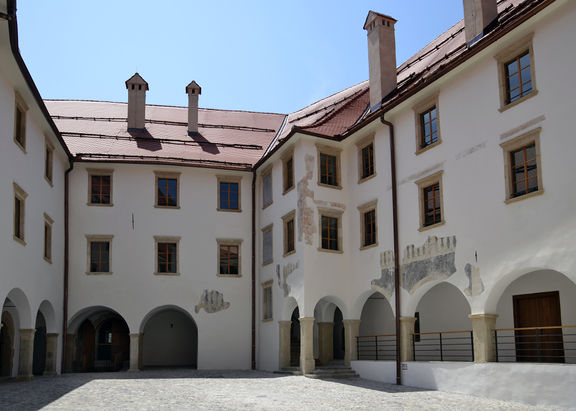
<point>411,302</point>
<point>447,304</point>
<point>47,310</point>
<point>290,304</point>
<point>377,316</point>
<point>360,302</point>
<point>39,350</point>
<point>20,302</point>
<point>329,329</point>
<point>328,304</point>
<point>88,313</point>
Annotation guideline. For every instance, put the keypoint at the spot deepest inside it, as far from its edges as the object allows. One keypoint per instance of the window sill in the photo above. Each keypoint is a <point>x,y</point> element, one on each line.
<point>429,227</point>
<point>48,260</point>
<point>366,247</point>
<point>337,187</point>
<point>167,207</point>
<point>520,100</point>
<point>99,273</point>
<point>20,146</point>
<point>49,181</point>
<point>99,205</point>
<point>525,196</point>
<point>428,147</point>
<point>229,210</point>
<point>229,275</point>
<point>325,250</point>
<point>267,320</point>
<point>364,179</point>
<point>167,274</point>
<point>267,263</point>
<point>19,240</point>
<point>286,191</point>
<point>265,206</point>
<point>286,254</point>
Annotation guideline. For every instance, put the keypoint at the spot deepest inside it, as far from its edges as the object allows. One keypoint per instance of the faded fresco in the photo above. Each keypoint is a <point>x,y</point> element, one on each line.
<point>306,225</point>
<point>212,301</point>
<point>283,276</point>
<point>475,284</point>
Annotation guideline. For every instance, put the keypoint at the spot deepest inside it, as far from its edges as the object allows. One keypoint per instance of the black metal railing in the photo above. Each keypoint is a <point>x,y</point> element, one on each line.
<point>536,344</point>
<point>376,347</point>
<point>443,346</point>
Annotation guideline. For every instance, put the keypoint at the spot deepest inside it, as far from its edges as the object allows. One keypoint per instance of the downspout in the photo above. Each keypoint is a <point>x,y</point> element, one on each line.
<point>396,247</point>
<point>66,258</point>
<point>254,270</point>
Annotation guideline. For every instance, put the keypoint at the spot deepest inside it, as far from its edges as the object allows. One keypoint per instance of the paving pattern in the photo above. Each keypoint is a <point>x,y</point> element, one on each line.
<point>226,390</point>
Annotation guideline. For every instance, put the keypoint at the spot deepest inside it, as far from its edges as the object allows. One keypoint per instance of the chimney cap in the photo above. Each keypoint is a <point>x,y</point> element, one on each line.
<point>138,80</point>
<point>193,88</point>
<point>372,15</point>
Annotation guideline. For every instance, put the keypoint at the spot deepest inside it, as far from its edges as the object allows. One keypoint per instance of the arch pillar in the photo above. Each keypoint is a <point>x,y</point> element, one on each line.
<point>351,331</point>
<point>307,364</point>
<point>135,340</point>
<point>483,326</point>
<point>51,353</point>
<point>70,352</point>
<point>406,333</point>
<point>26,355</point>
<point>325,342</point>
<point>284,340</point>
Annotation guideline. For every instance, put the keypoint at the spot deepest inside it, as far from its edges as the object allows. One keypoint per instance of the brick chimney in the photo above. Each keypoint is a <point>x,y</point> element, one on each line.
<point>479,15</point>
<point>381,56</point>
<point>137,88</point>
<point>193,90</point>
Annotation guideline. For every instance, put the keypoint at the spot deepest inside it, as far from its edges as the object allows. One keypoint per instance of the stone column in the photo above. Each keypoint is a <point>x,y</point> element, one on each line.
<point>51,353</point>
<point>351,331</point>
<point>406,333</point>
<point>140,351</point>
<point>26,354</point>
<point>70,353</point>
<point>325,342</point>
<point>284,343</point>
<point>483,326</point>
<point>307,364</point>
<point>134,352</point>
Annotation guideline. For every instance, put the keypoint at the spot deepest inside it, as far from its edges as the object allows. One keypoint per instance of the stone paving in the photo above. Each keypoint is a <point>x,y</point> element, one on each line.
<point>226,390</point>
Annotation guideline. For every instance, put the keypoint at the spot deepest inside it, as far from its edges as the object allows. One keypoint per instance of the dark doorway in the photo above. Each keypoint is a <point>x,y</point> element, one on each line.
<point>113,350</point>
<point>6,345</point>
<point>338,336</point>
<point>295,338</point>
<point>39,356</point>
<point>538,310</point>
<point>86,341</point>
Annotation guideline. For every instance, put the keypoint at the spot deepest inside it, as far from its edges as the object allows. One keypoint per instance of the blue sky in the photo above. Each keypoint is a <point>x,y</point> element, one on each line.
<point>247,55</point>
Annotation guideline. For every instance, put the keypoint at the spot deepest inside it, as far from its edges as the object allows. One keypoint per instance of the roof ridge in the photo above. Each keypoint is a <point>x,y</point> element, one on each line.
<point>331,95</point>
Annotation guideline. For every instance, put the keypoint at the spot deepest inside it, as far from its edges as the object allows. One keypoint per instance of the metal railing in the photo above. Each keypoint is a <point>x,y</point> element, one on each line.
<point>443,346</point>
<point>376,347</point>
<point>536,344</point>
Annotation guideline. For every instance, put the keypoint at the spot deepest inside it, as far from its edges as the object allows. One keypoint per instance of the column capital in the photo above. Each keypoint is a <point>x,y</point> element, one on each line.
<point>281,322</point>
<point>53,335</point>
<point>408,319</point>
<point>483,316</point>
<point>309,320</point>
<point>351,322</point>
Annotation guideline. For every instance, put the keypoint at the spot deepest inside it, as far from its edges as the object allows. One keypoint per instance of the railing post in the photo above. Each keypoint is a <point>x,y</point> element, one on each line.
<point>441,354</point>
<point>358,347</point>
<point>472,343</point>
<point>414,347</point>
<point>376,345</point>
<point>496,344</point>
<point>538,344</point>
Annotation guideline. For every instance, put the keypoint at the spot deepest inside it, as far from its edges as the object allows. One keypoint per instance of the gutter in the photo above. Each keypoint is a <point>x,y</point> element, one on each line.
<point>254,270</point>
<point>66,265</point>
<point>396,248</point>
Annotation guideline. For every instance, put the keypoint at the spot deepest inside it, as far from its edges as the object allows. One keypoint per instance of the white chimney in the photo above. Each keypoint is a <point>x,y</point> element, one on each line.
<point>193,90</point>
<point>478,16</point>
<point>381,56</point>
<point>137,88</point>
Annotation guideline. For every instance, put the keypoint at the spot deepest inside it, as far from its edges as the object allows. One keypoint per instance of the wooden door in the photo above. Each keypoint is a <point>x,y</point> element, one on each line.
<point>538,310</point>
<point>88,345</point>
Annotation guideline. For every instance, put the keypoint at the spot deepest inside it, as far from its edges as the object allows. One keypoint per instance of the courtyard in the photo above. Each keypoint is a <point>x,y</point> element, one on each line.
<point>184,389</point>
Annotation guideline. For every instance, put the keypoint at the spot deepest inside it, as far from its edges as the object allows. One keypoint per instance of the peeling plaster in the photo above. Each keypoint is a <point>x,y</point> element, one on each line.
<point>385,284</point>
<point>475,284</point>
<point>306,226</point>
<point>283,280</point>
<point>211,301</point>
<point>470,150</point>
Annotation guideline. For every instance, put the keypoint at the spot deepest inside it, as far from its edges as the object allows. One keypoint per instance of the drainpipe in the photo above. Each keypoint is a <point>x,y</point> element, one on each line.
<point>396,247</point>
<point>254,270</point>
<point>66,258</point>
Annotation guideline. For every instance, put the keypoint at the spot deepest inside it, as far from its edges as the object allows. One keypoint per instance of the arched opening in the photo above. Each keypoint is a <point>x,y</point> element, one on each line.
<point>443,329</point>
<point>377,339</point>
<point>329,334</point>
<point>295,338</point>
<point>39,356</point>
<point>6,344</point>
<point>338,335</point>
<point>170,339</point>
<point>542,298</point>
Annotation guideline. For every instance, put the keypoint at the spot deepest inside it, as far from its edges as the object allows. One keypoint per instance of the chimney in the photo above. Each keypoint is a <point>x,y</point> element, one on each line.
<point>137,87</point>
<point>381,56</point>
<point>479,16</point>
<point>193,90</point>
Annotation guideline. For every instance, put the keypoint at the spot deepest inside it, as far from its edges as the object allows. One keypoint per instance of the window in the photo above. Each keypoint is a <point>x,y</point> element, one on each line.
<point>427,124</point>
<point>99,249</point>
<point>430,195</point>
<point>516,73</point>
<point>167,255</point>
<point>229,193</point>
<point>267,301</point>
<point>48,238</point>
<point>366,167</point>
<point>522,164</point>
<point>20,109</point>
<point>329,166</point>
<point>19,213</point>
<point>167,189</point>
<point>229,257</point>
<point>289,231</point>
<point>100,187</point>
<point>330,230</point>
<point>48,162</point>
<point>267,187</point>
<point>368,224</point>
<point>288,172</point>
<point>267,245</point>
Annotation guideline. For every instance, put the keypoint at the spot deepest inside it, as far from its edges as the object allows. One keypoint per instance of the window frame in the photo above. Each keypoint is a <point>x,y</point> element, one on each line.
<point>362,144</point>
<point>265,230</point>
<point>98,238</point>
<point>514,144</point>
<point>49,162</point>
<point>423,184</point>
<point>19,217</point>
<point>20,127</point>
<point>363,209</point>
<point>232,180</point>
<point>286,173</point>
<point>332,213</point>
<point>267,302</point>
<point>518,48</point>
<point>334,152</point>
<point>265,174</point>
<point>234,243</point>
<point>291,216</point>
<point>48,222</point>
<point>100,172</point>
<point>172,175</point>
<point>420,109</point>
<point>166,240</point>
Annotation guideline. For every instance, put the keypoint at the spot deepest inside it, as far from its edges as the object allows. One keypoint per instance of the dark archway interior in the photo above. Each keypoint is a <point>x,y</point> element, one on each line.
<point>338,336</point>
<point>39,357</point>
<point>295,338</point>
<point>6,344</point>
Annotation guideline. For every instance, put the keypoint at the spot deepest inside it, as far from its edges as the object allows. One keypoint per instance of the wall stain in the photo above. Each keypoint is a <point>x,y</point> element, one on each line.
<point>283,279</point>
<point>416,176</point>
<point>385,284</point>
<point>305,215</point>
<point>470,150</point>
<point>475,284</point>
<point>211,301</point>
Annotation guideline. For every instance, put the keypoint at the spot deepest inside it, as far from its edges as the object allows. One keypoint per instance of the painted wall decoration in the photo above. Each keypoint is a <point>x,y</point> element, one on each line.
<point>306,225</point>
<point>212,301</point>
<point>475,284</point>
<point>283,277</point>
<point>385,284</point>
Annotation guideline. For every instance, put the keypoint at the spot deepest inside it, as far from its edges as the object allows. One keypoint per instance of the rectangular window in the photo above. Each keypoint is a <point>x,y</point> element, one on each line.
<point>267,245</point>
<point>19,213</point>
<point>267,188</point>
<point>289,233</point>
<point>48,237</point>
<point>167,188</point>
<point>229,257</point>
<point>369,228</point>
<point>20,109</point>
<point>267,301</point>
<point>48,162</point>
<point>367,161</point>
<point>328,166</point>
<point>430,195</point>
<point>428,127</point>
<point>167,255</point>
<point>518,77</point>
<point>329,233</point>
<point>427,118</point>
<point>288,173</point>
<point>99,187</point>
<point>99,256</point>
<point>228,193</point>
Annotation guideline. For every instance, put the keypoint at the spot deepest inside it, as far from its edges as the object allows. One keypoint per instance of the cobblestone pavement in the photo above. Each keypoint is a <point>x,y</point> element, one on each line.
<point>226,390</point>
